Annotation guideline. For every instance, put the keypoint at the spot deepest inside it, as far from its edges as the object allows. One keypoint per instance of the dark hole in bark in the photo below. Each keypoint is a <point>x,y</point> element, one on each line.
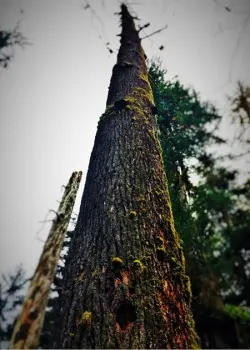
<point>117,274</point>
<point>162,225</point>
<point>22,333</point>
<point>33,315</point>
<point>120,104</point>
<point>154,109</point>
<point>59,217</point>
<point>54,251</point>
<point>125,315</point>
<point>131,290</point>
<point>161,254</point>
<point>117,267</point>
<point>158,240</point>
<point>35,291</point>
<point>45,271</point>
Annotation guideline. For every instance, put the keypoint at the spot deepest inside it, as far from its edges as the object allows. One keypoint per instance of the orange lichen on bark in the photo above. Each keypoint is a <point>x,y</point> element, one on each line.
<point>127,329</point>
<point>118,282</point>
<point>125,277</point>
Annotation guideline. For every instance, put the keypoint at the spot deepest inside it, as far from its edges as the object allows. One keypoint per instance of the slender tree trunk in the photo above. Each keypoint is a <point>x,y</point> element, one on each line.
<point>29,324</point>
<point>126,285</point>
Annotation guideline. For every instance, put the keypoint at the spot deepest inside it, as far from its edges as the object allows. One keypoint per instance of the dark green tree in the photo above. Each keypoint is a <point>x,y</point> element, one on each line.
<point>240,107</point>
<point>9,39</point>
<point>11,298</point>
<point>187,128</point>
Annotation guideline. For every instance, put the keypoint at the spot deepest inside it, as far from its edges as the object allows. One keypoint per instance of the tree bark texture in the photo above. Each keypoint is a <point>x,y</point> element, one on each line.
<point>27,330</point>
<point>125,284</point>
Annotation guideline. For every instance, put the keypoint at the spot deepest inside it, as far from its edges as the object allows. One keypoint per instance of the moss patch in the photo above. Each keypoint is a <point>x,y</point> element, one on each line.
<point>138,98</point>
<point>86,319</point>
<point>132,214</point>
<point>117,260</point>
<point>138,263</point>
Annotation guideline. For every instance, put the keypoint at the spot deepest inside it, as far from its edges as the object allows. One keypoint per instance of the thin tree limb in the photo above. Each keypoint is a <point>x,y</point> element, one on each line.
<point>155,32</point>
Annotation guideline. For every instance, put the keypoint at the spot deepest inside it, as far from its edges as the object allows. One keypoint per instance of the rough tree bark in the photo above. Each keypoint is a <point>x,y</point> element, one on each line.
<point>126,285</point>
<point>29,324</point>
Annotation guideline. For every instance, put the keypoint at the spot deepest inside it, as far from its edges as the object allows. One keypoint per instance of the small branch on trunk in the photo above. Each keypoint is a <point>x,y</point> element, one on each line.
<point>155,32</point>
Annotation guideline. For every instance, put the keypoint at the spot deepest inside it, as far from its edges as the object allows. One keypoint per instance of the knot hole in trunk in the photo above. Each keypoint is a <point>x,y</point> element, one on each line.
<point>125,315</point>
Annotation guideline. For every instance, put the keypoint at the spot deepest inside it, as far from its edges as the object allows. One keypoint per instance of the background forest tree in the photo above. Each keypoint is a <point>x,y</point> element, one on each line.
<point>9,39</point>
<point>212,220</point>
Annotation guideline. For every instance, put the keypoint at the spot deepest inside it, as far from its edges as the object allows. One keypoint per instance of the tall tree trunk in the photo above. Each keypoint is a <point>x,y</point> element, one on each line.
<point>27,330</point>
<point>126,285</point>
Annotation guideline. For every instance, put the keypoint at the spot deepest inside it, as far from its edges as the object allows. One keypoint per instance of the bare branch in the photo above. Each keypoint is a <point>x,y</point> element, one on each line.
<point>155,32</point>
<point>246,21</point>
<point>8,40</point>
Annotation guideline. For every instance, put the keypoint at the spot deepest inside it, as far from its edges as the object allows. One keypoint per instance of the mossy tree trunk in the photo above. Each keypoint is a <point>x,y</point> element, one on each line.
<point>126,285</point>
<point>28,326</point>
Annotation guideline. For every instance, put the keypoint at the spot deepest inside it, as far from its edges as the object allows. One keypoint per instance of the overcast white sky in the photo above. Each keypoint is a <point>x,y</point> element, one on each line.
<point>55,90</point>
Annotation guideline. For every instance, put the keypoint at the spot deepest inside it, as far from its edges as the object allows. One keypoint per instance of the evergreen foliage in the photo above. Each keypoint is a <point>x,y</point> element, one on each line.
<point>211,217</point>
<point>11,298</point>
